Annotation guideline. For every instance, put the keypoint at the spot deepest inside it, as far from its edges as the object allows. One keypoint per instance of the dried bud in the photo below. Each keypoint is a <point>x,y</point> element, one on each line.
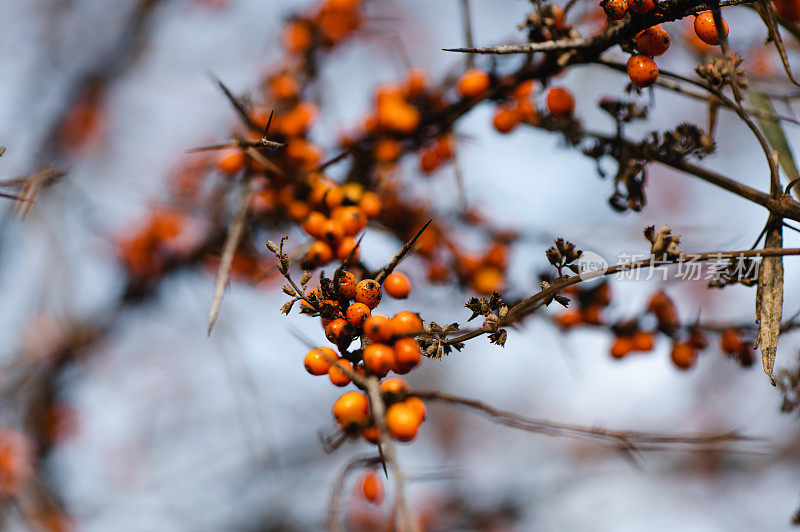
<point>305,278</point>
<point>664,243</point>
<point>272,246</point>
<point>288,290</point>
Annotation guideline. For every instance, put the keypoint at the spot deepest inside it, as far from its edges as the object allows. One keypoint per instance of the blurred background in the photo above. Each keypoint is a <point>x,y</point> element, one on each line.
<point>159,427</point>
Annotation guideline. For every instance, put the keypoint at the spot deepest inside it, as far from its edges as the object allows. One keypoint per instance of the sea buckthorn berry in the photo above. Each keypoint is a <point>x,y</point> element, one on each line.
<point>417,405</point>
<point>379,358</point>
<point>698,339</point>
<point>332,231</point>
<point>615,9</point>
<point>336,374</point>
<point>788,9</point>
<point>730,341</point>
<point>428,160</point>
<point>642,70</point>
<point>351,409</point>
<point>653,41</point>
<point>622,346</point>
<point>487,279</point>
<point>397,285</point>
<point>524,90</point>
<point>318,361</point>
<point>298,210</point>
<point>378,328</point>
<point>284,86</point>
<point>591,314</point>
<point>231,161</point>
<point>371,434</point>
<point>368,292</point>
<point>560,102</point>
<point>346,285</point>
<point>314,224</point>
<point>407,354</point>
<point>403,421</point>
<point>346,245</point>
<point>396,387</point>
<point>370,204</point>
<point>405,323</point>
<point>497,255</point>
<point>334,331</point>
<point>642,6</point>
<point>683,355</point>
<point>371,487</point>
<point>569,318</point>
<point>706,30</point>
<point>319,253</point>
<point>506,118</point>
<point>472,83</point>
<point>357,314</point>
<point>416,81</point>
<point>643,341</point>
<point>297,36</point>
<point>444,147</point>
<point>353,220</point>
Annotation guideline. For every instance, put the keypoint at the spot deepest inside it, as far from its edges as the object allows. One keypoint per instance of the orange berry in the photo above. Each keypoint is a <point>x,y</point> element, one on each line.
<point>395,386</point>
<point>370,204</point>
<point>303,154</point>
<point>344,248</point>
<point>642,70</point>
<point>337,376</point>
<point>615,9</point>
<point>706,30</point>
<point>428,160</point>
<point>334,331</point>
<point>524,90</point>
<point>368,292</point>
<point>387,150</point>
<point>379,358</point>
<point>353,220</point>
<point>683,355</point>
<point>378,328</point>
<point>332,231</point>
<point>403,421</point>
<point>405,323</point>
<point>497,255</point>
<point>318,361</point>
<point>397,285</point>
<point>730,341</point>
<point>371,434</point>
<point>569,318</point>
<point>622,346</point>
<point>416,81</point>
<point>487,279</point>
<point>408,355</point>
<point>297,36</point>
<point>357,314</point>
<point>643,341</point>
<point>444,147</point>
<point>319,253</point>
<point>642,6</point>
<point>473,83</point>
<point>351,409</point>
<point>284,86</point>
<point>314,224</point>
<point>231,161</point>
<point>298,210</point>
<point>506,119</point>
<point>591,314</point>
<point>417,405</point>
<point>399,116</point>
<point>371,487</point>
<point>560,102</point>
<point>653,41</point>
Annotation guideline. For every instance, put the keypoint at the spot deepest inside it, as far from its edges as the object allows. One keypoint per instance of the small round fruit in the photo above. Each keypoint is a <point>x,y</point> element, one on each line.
<point>706,30</point>
<point>370,204</point>
<point>357,314</point>
<point>417,405</point>
<point>730,341</point>
<point>407,354</point>
<point>371,487</point>
<point>653,41</point>
<point>352,408</point>
<point>379,359</point>
<point>353,220</point>
<point>334,331</point>
<point>642,70</point>
<point>371,434</point>
<point>642,6</point>
<point>643,341</point>
<point>405,323</point>
<point>560,102</point>
<point>318,361</point>
<point>231,161</point>
<point>615,9</point>
<point>378,328</point>
<point>621,347</point>
<point>368,292</point>
<point>506,118</point>
<point>319,253</point>
<point>472,83</point>
<point>336,372</point>
<point>403,421</point>
<point>346,285</point>
<point>397,285</point>
<point>396,387</point>
<point>683,355</point>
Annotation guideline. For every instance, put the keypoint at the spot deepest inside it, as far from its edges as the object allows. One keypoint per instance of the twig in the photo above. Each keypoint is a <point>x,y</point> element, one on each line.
<point>400,255</point>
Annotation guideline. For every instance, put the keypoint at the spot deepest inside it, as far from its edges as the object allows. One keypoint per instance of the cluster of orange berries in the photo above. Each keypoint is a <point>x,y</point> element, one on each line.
<point>588,307</point>
<point>345,308</point>
<point>485,272</point>
<point>328,25</point>
<point>149,247</point>
<point>655,41</point>
<point>520,109</point>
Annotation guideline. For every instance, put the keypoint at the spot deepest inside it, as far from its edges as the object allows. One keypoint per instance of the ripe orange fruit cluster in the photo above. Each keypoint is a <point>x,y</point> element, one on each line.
<point>520,109</point>
<point>589,305</point>
<point>706,29</point>
<point>485,273</point>
<point>331,23</point>
<point>560,102</point>
<point>145,250</point>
